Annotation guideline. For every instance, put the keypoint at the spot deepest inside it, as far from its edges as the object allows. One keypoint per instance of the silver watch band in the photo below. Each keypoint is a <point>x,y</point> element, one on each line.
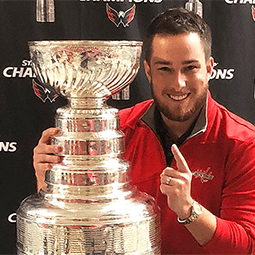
<point>196,211</point>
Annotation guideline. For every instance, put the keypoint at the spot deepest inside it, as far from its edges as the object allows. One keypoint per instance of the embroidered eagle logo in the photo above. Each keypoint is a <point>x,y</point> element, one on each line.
<point>120,17</point>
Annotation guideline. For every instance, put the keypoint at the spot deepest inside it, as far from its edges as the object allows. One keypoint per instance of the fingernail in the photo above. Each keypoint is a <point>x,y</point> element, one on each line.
<point>174,146</point>
<point>58,149</point>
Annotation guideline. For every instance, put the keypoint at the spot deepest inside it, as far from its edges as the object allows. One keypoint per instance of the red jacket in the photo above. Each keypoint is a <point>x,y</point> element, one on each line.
<point>222,160</point>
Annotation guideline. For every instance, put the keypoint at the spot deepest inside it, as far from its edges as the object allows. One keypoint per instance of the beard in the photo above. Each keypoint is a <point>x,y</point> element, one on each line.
<point>177,114</point>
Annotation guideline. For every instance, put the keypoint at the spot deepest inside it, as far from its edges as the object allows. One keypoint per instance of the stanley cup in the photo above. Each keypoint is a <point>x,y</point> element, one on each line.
<point>89,206</point>
<point>195,6</point>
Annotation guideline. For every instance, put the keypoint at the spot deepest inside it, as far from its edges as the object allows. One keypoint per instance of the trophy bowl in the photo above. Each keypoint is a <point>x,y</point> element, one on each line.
<point>86,68</point>
<point>90,206</point>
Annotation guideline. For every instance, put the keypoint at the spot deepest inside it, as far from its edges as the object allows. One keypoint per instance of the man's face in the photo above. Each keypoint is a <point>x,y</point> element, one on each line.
<point>179,74</point>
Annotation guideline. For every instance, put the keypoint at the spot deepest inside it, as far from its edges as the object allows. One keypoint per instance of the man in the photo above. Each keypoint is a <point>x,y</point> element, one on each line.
<point>206,188</point>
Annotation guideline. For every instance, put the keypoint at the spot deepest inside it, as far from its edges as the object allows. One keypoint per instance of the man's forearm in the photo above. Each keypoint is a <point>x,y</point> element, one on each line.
<point>203,228</point>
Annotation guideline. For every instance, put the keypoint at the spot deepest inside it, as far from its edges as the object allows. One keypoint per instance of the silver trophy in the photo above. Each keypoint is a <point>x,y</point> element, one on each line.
<point>45,11</point>
<point>89,206</point>
<point>195,6</point>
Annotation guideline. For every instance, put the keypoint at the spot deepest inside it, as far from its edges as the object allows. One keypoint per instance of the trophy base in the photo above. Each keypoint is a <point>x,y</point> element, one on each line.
<point>123,226</point>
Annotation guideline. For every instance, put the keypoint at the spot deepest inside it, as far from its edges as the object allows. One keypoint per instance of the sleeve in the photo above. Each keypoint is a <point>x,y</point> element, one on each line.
<point>235,231</point>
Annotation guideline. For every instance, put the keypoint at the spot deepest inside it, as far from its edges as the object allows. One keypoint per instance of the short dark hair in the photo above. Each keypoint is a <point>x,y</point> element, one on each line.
<point>177,21</point>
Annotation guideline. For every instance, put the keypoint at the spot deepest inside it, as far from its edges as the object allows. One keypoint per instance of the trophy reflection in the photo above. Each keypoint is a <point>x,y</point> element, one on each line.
<point>89,206</point>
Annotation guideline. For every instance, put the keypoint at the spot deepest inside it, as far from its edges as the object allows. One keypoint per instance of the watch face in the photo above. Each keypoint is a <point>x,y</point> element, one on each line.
<point>197,208</point>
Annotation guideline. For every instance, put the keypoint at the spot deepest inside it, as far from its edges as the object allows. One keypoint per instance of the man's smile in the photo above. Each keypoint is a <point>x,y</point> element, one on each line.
<point>179,97</point>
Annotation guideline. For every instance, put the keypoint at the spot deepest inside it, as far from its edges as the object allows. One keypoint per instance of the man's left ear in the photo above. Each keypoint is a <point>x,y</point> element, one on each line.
<point>209,67</point>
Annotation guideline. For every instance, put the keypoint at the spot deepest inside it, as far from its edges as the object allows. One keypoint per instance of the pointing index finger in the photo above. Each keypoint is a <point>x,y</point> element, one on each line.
<point>180,160</point>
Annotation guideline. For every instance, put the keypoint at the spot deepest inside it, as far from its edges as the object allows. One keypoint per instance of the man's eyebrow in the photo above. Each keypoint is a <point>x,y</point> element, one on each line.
<point>190,61</point>
<point>186,62</point>
<point>163,62</point>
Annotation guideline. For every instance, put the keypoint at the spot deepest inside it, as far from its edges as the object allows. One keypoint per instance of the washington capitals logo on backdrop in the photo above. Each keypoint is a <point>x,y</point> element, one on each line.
<point>120,17</point>
<point>253,12</point>
<point>44,93</point>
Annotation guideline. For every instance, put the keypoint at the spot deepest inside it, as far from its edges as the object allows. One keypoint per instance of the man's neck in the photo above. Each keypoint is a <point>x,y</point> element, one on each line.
<point>176,128</point>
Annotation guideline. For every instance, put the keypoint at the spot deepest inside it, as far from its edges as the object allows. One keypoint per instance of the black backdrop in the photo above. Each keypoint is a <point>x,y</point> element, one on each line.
<point>24,115</point>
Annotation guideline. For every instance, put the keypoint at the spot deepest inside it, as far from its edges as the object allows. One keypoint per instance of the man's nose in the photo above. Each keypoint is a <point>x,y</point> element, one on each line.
<point>179,81</point>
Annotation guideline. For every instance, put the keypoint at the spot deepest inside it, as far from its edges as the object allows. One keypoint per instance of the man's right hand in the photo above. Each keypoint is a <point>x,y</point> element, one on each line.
<point>44,156</point>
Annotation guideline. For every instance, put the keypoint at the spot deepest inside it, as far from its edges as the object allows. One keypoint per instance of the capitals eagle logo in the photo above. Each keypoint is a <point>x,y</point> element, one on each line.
<point>44,93</point>
<point>120,17</point>
<point>253,12</point>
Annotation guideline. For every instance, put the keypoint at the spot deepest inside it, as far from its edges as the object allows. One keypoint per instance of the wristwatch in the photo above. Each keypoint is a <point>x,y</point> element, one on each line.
<point>196,211</point>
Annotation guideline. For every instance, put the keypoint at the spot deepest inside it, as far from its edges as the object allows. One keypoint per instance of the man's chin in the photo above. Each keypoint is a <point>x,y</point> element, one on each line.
<point>179,118</point>
<point>181,115</point>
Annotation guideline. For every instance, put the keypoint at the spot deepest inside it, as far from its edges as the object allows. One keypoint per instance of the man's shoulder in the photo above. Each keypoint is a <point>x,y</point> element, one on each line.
<point>233,125</point>
<point>130,116</point>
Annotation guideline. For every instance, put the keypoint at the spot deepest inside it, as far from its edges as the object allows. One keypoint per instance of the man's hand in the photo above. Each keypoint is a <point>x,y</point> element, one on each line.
<point>176,184</point>
<point>44,156</point>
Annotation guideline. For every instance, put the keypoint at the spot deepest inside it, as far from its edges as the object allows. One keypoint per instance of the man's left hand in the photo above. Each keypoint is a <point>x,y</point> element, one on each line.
<point>176,185</point>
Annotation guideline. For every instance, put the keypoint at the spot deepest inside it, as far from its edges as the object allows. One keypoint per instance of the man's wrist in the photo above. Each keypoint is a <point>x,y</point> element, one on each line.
<point>186,212</point>
<point>196,210</point>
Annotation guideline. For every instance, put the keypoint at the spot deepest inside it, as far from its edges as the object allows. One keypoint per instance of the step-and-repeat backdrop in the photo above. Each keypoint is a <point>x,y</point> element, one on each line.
<point>27,108</point>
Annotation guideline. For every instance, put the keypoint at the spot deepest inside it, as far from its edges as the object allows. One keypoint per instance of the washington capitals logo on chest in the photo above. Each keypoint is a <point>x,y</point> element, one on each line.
<point>205,176</point>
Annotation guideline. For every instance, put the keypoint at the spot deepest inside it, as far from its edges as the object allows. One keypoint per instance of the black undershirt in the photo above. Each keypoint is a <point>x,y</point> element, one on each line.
<point>164,137</point>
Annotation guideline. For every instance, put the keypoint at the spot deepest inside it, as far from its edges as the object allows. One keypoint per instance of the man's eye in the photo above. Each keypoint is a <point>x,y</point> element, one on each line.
<point>165,69</point>
<point>189,68</point>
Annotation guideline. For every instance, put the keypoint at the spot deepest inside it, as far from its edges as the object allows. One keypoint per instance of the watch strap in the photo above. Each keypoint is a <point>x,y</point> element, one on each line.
<point>193,216</point>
